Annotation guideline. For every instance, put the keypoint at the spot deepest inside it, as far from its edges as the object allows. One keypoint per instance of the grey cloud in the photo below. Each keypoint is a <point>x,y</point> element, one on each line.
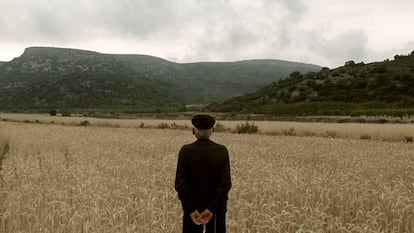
<point>409,47</point>
<point>67,20</point>
<point>193,30</point>
<point>295,9</point>
<point>239,38</point>
<point>297,6</point>
<point>351,45</point>
<point>32,21</point>
<point>135,18</point>
<point>282,25</point>
<point>238,32</point>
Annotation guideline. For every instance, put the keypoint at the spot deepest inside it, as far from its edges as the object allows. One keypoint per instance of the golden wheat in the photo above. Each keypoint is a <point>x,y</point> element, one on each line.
<point>98,179</point>
<point>386,132</point>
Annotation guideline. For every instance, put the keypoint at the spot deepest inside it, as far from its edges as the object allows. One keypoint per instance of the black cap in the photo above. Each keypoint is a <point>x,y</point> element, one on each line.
<point>203,121</point>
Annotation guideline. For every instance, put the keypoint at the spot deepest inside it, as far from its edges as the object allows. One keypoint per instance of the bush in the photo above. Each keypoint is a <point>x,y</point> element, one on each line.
<point>246,127</point>
<point>66,114</point>
<point>408,139</point>
<point>289,132</point>
<point>84,123</point>
<point>53,112</point>
<point>108,125</point>
<point>365,137</point>
<point>331,133</point>
<point>163,125</point>
<point>4,149</point>
<point>308,134</point>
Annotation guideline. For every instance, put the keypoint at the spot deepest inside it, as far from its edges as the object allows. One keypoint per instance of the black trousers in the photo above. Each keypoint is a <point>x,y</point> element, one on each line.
<point>217,224</point>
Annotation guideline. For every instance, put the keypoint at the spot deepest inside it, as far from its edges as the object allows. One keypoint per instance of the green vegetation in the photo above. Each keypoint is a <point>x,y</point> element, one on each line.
<point>89,91</point>
<point>381,88</point>
<point>408,139</point>
<point>365,137</point>
<point>69,79</point>
<point>84,123</point>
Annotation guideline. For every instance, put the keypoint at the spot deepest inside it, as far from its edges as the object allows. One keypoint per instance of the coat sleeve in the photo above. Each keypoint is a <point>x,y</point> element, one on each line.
<point>219,199</point>
<point>182,185</point>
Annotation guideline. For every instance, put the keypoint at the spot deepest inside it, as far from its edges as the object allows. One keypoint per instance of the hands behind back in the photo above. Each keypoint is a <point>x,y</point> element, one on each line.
<point>202,218</point>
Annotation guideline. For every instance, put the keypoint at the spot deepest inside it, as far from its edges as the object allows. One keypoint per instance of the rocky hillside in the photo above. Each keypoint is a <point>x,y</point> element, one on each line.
<point>380,85</point>
<point>44,78</point>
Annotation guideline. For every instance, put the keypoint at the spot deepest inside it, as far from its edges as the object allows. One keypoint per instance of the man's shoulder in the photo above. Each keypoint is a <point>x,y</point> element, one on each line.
<point>196,144</point>
<point>220,146</point>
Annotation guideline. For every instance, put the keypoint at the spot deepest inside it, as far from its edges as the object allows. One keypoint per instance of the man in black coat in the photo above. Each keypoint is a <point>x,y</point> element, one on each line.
<point>203,180</point>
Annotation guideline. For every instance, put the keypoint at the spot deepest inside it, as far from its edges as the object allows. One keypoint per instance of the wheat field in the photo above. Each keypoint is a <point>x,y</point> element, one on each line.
<point>71,179</point>
<point>381,132</point>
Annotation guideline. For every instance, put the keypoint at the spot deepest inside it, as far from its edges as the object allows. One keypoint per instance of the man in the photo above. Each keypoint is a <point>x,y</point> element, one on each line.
<point>203,180</point>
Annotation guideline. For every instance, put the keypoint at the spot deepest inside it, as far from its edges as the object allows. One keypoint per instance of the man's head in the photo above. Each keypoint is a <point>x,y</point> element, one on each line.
<point>203,126</point>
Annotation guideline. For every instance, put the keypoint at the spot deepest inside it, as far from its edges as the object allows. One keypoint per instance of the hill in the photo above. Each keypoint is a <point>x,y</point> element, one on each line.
<point>375,88</point>
<point>44,78</point>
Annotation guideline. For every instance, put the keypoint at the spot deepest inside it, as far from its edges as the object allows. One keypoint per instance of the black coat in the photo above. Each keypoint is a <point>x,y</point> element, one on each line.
<point>203,176</point>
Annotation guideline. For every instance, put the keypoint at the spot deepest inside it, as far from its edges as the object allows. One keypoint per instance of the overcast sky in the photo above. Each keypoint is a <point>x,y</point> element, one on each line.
<point>323,32</point>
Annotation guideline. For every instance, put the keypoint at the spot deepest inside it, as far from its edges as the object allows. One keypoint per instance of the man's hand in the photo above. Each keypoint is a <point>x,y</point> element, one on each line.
<point>205,216</point>
<point>195,216</point>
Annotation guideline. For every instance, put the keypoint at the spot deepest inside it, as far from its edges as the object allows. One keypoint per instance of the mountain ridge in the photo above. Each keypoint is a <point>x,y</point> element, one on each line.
<point>135,81</point>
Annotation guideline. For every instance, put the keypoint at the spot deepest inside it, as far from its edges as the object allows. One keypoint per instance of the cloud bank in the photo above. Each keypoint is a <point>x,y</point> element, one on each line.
<point>322,32</point>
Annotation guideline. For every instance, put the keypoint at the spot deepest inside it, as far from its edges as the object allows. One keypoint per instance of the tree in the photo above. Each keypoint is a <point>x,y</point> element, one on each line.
<point>295,74</point>
<point>350,63</point>
<point>53,112</point>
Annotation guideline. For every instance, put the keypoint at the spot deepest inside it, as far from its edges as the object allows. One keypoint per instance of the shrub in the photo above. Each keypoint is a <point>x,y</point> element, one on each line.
<point>84,123</point>
<point>408,139</point>
<point>163,125</point>
<point>109,125</point>
<point>66,114</point>
<point>289,132</point>
<point>365,137</point>
<point>308,134</point>
<point>53,112</point>
<point>246,127</point>
<point>331,133</point>
<point>4,149</point>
